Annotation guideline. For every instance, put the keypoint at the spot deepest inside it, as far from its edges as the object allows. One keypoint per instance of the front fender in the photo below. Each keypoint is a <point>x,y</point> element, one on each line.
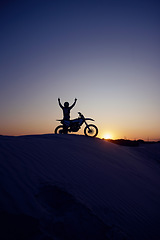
<point>89,119</point>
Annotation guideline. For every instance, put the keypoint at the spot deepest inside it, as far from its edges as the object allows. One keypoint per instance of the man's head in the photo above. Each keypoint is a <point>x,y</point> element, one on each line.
<point>66,104</point>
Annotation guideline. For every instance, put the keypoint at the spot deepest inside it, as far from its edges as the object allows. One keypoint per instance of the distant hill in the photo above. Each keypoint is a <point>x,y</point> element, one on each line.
<point>130,143</point>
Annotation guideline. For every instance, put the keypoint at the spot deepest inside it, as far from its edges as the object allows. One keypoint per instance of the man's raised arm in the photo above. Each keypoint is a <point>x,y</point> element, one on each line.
<point>73,103</point>
<point>60,103</point>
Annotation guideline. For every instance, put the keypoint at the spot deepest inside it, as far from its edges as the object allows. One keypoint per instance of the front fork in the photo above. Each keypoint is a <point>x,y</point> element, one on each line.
<point>88,127</point>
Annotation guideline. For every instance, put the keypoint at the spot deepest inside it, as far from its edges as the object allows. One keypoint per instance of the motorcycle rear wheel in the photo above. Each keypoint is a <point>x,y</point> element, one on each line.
<point>59,129</point>
<point>91,130</point>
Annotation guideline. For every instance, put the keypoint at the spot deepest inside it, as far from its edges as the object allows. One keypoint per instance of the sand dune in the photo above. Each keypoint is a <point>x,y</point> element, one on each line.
<point>74,187</point>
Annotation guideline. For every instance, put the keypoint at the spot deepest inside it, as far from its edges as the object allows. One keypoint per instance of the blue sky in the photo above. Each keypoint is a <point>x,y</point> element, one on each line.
<point>104,53</point>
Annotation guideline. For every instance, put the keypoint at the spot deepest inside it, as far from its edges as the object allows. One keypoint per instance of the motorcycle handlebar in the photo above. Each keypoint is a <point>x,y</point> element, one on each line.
<point>80,114</point>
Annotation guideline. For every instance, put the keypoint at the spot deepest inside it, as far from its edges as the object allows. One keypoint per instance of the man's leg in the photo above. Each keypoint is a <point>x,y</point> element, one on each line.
<point>65,129</point>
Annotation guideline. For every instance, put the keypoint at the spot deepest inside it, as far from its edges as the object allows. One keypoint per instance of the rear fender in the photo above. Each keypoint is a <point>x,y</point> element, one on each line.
<point>60,120</point>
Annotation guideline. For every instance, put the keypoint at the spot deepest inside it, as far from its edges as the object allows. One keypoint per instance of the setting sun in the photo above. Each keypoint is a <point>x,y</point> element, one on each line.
<point>107,136</point>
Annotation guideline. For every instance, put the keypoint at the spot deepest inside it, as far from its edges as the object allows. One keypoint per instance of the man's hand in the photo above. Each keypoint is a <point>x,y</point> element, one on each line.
<point>58,99</point>
<point>75,99</point>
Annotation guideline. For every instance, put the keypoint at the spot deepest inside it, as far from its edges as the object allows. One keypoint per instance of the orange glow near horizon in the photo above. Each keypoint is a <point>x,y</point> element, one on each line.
<point>107,136</point>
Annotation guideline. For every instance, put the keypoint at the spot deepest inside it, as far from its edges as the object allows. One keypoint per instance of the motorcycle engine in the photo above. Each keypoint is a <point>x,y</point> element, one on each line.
<point>74,127</point>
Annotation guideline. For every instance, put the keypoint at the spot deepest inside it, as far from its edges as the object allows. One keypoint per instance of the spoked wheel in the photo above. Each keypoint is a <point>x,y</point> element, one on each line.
<point>59,130</point>
<point>91,130</point>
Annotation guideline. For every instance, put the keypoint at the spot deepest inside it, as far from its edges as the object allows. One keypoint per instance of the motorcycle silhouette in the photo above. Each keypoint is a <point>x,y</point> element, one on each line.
<point>74,125</point>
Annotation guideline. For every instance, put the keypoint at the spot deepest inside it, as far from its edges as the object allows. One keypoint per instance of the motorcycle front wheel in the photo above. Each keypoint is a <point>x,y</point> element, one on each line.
<point>91,130</point>
<point>59,129</point>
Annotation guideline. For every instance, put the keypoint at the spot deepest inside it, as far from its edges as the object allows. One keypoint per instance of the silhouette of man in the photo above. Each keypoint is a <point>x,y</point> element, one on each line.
<point>66,112</point>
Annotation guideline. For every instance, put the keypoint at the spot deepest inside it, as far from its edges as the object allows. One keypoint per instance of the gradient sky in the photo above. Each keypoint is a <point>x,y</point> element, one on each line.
<point>104,53</point>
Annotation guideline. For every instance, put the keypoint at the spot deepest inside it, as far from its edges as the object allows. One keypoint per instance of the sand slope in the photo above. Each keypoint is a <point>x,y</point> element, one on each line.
<point>74,187</point>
